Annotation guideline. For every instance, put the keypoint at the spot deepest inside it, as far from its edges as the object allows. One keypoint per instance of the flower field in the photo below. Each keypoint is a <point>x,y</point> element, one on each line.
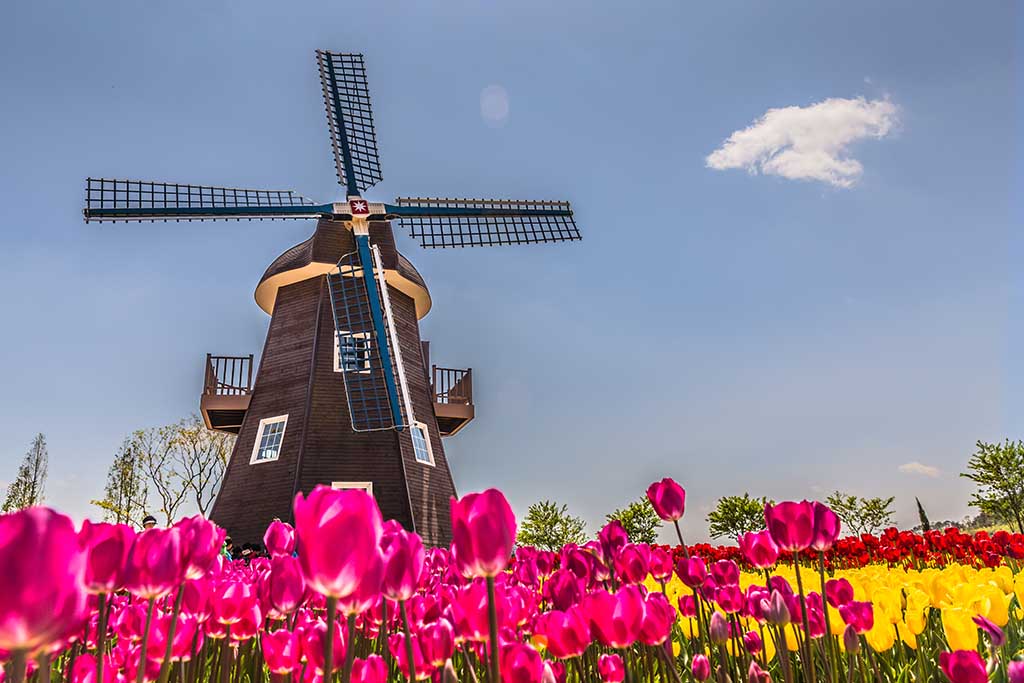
<point>345,596</point>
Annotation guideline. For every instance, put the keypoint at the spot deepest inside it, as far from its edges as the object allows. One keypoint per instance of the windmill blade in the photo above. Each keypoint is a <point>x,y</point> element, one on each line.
<point>138,200</point>
<point>350,119</point>
<point>440,223</point>
<point>363,350</point>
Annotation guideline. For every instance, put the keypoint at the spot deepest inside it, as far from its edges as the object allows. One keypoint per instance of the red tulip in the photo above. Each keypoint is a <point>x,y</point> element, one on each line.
<point>701,667</point>
<point>616,618</point>
<point>339,534</point>
<point>826,527</point>
<point>283,588</point>
<point>567,633</point>
<point>963,666</point>
<point>369,670</point>
<point>279,538</point>
<point>437,642</point>
<point>790,524</point>
<point>281,650</point>
<point>42,572</point>
<point>520,663</point>
<point>403,562</point>
<point>154,563</point>
<point>611,668</point>
<point>107,547</point>
<point>759,549</point>
<point>668,499</point>
<point>483,533</point>
<point>201,541</point>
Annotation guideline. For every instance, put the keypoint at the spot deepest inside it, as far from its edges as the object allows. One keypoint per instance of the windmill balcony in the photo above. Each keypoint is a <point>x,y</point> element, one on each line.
<point>227,388</point>
<point>453,398</point>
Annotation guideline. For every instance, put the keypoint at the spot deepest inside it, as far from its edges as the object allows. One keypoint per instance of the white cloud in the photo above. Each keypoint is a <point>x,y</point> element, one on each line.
<point>808,143</point>
<point>916,467</point>
<point>494,105</point>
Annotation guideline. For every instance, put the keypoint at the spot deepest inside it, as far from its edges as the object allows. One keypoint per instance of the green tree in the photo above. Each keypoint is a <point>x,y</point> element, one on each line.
<point>549,526</point>
<point>126,492</point>
<point>862,515</point>
<point>736,515</point>
<point>923,516</point>
<point>998,470</point>
<point>27,488</point>
<point>639,520</point>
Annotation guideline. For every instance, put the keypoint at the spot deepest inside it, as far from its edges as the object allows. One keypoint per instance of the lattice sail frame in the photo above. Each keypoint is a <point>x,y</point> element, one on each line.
<point>366,389</point>
<point>488,222</point>
<point>350,119</point>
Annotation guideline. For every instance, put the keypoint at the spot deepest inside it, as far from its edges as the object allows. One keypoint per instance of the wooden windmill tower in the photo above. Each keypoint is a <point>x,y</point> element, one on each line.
<point>343,395</point>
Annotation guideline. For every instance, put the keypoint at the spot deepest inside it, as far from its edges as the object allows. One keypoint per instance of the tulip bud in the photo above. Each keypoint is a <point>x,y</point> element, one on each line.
<point>851,641</point>
<point>776,612</point>
<point>1016,671</point>
<point>755,674</point>
<point>718,629</point>
<point>700,667</point>
<point>752,642</point>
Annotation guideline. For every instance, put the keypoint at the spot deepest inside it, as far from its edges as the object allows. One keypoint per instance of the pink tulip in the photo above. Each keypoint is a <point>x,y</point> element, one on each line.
<point>730,598</point>
<point>437,642</point>
<point>520,663</point>
<point>201,541</point>
<point>283,588</point>
<point>469,612</point>
<point>611,538</point>
<point>232,600</point>
<point>838,592</point>
<point>155,563</point>
<point>692,571</point>
<point>632,564</point>
<point>396,645</point>
<point>339,534</point>
<point>1016,671</point>
<point>42,572</point>
<point>725,573</point>
<point>279,538</point>
<point>701,667</point>
<point>107,547</point>
<point>755,674</point>
<point>196,599</point>
<point>790,524</point>
<point>759,549</point>
<point>659,615</point>
<point>963,666</point>
<point>567,633</point>
<point>752,642</point>
<point>995,634</point>
<point>661,565</point>
<point>403,562</point>
<point>186,629</point>
<point>668,499</point>
<point>826,527</point>
<point>562,589</point>
<point>281,650</point>
<point>859,615</point>
<point>611,668</point>
<point>369,670</point>
<point>483,533</point>
<point>316,636</point>
<point>367,592</point>
<point>615,619</point>
<point>718,628</point>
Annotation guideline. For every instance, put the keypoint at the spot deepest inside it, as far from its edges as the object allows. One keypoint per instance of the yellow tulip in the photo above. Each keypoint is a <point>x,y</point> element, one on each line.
<point>907,635</point>
<point>882,636</point>
<point>961,632</point>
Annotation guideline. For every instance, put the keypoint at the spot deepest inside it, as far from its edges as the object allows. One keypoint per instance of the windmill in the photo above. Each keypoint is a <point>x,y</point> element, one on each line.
<point>343,395</point>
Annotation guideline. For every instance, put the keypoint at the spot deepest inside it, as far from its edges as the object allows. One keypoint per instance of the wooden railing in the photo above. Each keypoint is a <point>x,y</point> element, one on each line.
<point>228,375</point>
<point>453,386</point>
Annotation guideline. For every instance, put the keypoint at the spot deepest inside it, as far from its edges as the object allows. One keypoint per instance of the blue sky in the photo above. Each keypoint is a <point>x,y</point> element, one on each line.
<point>737,331</point>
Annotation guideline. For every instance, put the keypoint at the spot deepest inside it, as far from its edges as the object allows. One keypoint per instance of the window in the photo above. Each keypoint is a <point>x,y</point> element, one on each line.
<point>352,352</point>
<point>268,439</point>
<point>421,444</point>
<point>364,485</point>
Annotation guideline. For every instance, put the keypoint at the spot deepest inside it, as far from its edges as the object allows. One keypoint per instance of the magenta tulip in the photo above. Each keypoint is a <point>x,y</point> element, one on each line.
<point>718,628</point>
<point>520,663</point>
<point>567,633</point>
<point>668,499</point>
<point>403,562</point>
<point>315,637</point>
<point>562,589</point>
<point>107,547</point>
<point>615,619</point>
<point>859,615</point>
<point>469,612</point>
<point>725,573</point>
<point>283,588</point>
<point>437,642</point>
<point>826,527</point>
<point>279,538</point>
<point>339,535</point>
<point>196,599</point>
<point>659,615</point>
<point>1015,669</point>
<point>611,539</point>
<point>186,629</point>
<point>838,592</point>
<point>611,668</point>
<point>995,634</point>
<point>730,598</point>
<point>661,565</point>
<point>790,524</point>
<point>398,649</point>
<point>759,549</point>
<point>201,541</point>
<point>367,592</point>
<point>483,533</point>
<point>752,642</point>
<point>280,650</point>
<point>692,571</point>
<point>963,666</point>
<point>373,669</point>
<point>42,572</point>
<point>155,563</point>
<point>701,667</point>
<point>232,601</point>
<point>632,563</point>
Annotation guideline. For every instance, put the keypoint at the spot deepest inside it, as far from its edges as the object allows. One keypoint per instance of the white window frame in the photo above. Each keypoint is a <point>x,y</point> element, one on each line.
<point>362,485</point>
<point>366,336</point>
<point>426,440</point>
<point>259,439</point>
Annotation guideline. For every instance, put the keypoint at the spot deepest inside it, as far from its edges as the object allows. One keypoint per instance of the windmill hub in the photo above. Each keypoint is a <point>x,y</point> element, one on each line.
<point>345,395</point>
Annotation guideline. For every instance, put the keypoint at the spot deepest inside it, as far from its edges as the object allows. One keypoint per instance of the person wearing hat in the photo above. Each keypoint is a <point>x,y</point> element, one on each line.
<point>148,522</point>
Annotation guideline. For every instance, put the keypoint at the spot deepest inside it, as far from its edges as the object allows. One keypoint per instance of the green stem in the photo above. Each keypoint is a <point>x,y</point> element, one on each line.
<point>350,650</point>
<point>807,627</point>
<point>408,641</point>
<point>829,644</point>
<point>101,636</point>
<point>165,667</point>
<point>19,659</point>
<point>225,656</point>
<point>145,641</point>
<point>45,668</point>
<point>492,614</point>
<point>679,533</point>
<point>332,606</point>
